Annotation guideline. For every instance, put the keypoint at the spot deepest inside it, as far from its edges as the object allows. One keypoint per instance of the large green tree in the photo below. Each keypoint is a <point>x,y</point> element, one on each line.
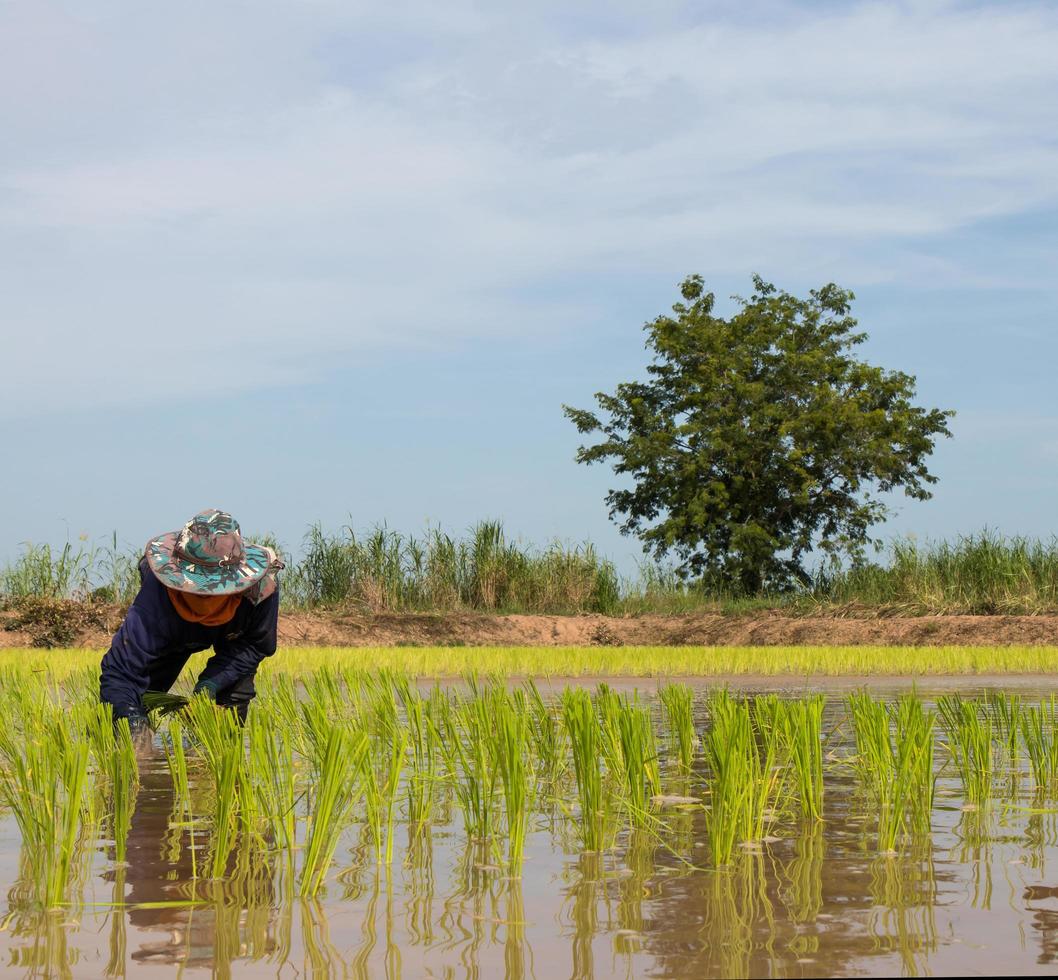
<point>759,437</point>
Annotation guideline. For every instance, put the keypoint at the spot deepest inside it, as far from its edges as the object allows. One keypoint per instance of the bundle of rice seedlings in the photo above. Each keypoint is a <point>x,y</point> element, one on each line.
<point>163,702</point>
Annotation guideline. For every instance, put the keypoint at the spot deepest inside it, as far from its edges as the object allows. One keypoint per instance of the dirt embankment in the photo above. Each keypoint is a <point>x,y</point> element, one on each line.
<point>475,629</point>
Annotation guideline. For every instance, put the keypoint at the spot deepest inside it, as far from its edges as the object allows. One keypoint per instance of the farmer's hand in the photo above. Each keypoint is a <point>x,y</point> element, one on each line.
<point>208,688</point>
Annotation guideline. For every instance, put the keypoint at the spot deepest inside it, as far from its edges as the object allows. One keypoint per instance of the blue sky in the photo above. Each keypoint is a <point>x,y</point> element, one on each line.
<point>330,261</point>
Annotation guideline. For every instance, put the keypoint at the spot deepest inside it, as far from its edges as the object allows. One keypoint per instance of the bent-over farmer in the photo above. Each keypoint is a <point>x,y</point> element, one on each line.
<point>201,587</point>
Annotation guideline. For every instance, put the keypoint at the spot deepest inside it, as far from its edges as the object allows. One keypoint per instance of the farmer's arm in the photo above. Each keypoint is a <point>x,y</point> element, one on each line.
<point>233,659</point>
<point>124,674</point>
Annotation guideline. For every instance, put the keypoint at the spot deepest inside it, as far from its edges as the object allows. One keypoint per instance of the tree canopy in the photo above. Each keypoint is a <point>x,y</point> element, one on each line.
<point>759,438</point>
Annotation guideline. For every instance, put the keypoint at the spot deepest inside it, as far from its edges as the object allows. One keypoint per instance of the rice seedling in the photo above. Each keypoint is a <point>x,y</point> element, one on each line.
<point>44,781</point>
<point>745,779</point>
<point>273,778</point>
<point>897,773</point>
<point>512,734</point>
<point>641,779</point>
<point>582,728</point>
<point>801,723</point>
<point>970,739</point>
<point>424,752</point>
<point>339,767</point>
<point>1005,712</point>
<point>1038,728</point>
<point>219,738</point>
<point>547,734</point>
<point>678,702</point>
<point>162,703</point>
<point>467,741</point>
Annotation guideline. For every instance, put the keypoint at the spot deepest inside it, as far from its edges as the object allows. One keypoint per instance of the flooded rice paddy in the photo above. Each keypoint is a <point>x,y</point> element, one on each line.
<point>972,891</point>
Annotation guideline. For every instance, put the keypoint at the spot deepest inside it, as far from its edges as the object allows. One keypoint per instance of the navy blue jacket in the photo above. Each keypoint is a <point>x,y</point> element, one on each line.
<point>153,631</point>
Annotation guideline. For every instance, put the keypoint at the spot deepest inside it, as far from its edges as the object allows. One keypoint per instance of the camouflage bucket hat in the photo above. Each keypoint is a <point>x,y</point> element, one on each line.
<point>207,556</point>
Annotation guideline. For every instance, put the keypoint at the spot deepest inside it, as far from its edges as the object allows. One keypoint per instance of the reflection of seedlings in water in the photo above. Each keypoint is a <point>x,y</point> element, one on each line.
<point>516,950</point>
<point>904,893</point>
<point>735,905</point>
<point>324,960</point>
<point>974,848</point>
<point>802,891</point>
<point>118,945</point>
<point>419,905</point>
<point>582,902</point>
<point>632,889</point>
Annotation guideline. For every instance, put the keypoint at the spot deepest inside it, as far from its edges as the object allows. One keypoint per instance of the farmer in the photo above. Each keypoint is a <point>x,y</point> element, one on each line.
<point>200,587</point>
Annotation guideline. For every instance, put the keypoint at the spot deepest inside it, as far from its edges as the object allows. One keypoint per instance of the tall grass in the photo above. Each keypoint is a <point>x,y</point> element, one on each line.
<point>382,570</point>
<point>978,574</point>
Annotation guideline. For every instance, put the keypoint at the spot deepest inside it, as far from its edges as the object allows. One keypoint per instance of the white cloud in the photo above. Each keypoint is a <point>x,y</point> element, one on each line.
<point>320,177</point>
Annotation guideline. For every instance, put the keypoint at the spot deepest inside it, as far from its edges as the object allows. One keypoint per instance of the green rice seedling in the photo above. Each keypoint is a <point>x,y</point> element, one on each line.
<point>162,703</point>
<point>582,728</point>
<point>339,767</point>
<point>273,777</point>
<point>1005,712</point>
<point>914,760</point>
<point>616,661</point>
<point>219,739</point>
<point>608,708</point>
<point>546,732</point>
<point>897,773</point>
<point>678,702</point>
<point>1041,742</point>
<point>381,784</point>
<point>512,735</point>
<point>639,758</point>
<point>969,731</point>
<point>875,763</point>
<point>176,759</point>
<point>124,781</point>
<point>735,770</point>
<point>422,782</point>
<point>115,762</point>
<point>468,742</point>
<point>45,782</point>
<point>802,733</point>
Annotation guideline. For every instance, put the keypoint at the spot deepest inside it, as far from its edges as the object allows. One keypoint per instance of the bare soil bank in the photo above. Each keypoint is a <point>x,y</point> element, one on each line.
<point>324,628</point>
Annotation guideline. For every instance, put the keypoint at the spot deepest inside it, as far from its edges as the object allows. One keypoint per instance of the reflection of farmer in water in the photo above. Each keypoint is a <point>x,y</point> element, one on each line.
<point>156,888</point>
<point>201,587</point>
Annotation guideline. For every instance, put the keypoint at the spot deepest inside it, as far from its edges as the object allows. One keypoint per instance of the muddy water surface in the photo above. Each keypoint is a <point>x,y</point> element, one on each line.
<point>978,896</point>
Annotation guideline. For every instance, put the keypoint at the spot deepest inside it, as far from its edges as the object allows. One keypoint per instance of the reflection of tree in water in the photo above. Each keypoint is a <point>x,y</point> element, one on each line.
<point>1044,921</point>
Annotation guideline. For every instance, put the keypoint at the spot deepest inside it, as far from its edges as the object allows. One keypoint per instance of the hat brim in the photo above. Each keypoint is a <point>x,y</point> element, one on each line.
<point>198,579</point>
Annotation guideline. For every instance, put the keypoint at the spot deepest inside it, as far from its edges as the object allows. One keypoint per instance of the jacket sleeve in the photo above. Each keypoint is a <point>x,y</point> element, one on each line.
<point>233,659</point>
<point>141,638</point>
